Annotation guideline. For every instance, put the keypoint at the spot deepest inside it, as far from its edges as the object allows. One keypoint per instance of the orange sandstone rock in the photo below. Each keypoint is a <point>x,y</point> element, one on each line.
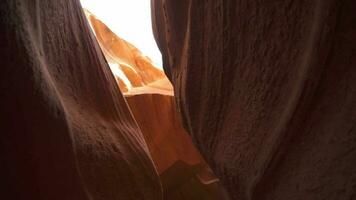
<point>137,67</point>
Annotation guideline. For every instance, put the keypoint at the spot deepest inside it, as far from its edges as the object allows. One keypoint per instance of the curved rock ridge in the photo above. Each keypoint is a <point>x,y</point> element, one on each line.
<point>267,90</point>
<point>66,130</point>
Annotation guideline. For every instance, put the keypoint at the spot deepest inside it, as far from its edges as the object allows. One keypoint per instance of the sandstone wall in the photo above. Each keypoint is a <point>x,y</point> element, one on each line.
<point>267,90</point>
<point>66,130</point>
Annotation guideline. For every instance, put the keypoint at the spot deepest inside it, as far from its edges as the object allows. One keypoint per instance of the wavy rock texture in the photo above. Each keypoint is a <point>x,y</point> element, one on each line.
<point>66,130</point>
<point>267,89</point>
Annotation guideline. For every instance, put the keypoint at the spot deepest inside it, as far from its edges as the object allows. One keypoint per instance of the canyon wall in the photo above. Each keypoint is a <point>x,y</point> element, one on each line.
<point>66,130</point>
<point>267,90</point>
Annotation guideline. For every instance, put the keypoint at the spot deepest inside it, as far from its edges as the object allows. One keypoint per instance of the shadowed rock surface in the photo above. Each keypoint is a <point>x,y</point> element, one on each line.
<point>184,182</point>
<point>267,90</point>
<point>66,130</point>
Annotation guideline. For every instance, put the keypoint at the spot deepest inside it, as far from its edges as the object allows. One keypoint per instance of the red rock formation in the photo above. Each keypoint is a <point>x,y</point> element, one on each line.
<point>66,130</point>
<point>267,89</point>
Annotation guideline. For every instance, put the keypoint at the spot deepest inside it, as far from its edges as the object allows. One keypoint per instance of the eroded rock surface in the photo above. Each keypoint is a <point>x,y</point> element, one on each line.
<point>66,130</point>
<point>267,89</point>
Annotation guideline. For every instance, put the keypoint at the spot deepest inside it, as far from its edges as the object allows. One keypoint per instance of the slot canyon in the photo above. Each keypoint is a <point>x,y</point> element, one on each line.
<point>256,101</point>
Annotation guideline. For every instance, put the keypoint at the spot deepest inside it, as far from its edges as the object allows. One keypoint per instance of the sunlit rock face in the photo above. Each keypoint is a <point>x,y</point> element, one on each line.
<point>66,130</point>
<point>126,61</point>
<point>267,91</point>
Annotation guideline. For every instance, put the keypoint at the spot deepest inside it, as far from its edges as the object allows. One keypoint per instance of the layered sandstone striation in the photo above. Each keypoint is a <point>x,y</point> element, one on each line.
<point>267,90</point>
<point>66,130</point>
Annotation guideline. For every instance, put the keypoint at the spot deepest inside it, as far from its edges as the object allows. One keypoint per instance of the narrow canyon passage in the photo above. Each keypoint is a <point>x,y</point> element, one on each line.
<point>256,101</point>
<point>183,172</point>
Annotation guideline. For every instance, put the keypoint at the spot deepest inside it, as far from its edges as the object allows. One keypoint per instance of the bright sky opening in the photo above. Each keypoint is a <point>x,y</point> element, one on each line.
<point>129,19</point>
